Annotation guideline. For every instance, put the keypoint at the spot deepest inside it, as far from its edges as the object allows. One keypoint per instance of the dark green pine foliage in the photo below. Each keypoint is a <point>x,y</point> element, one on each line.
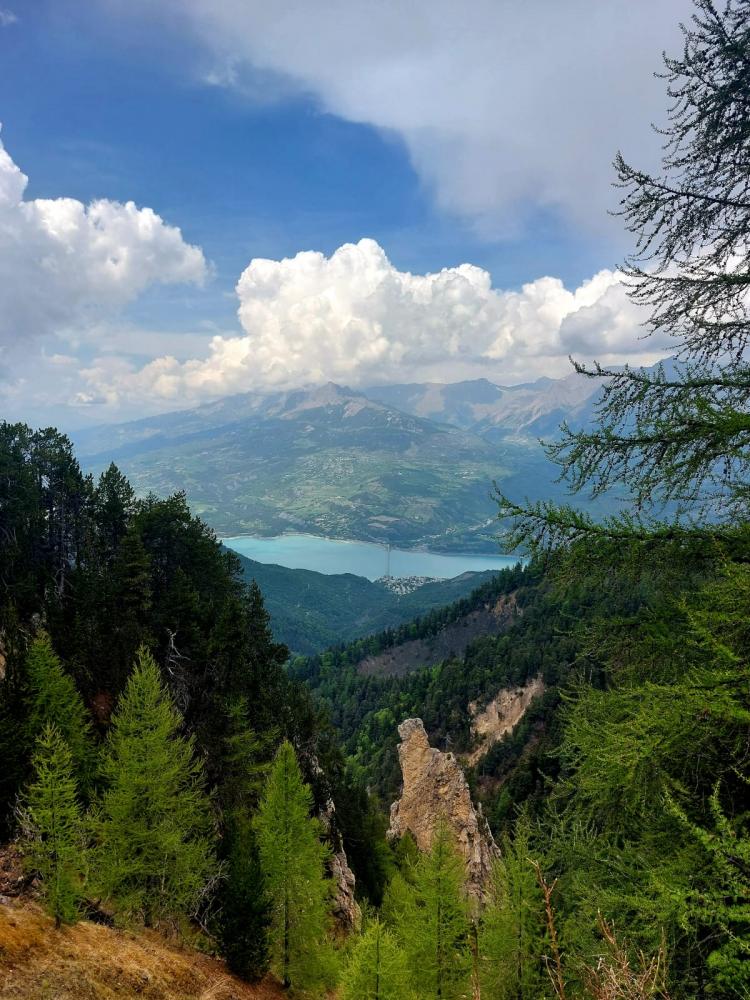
<point>15,742</point>
<point>154,857</point>
<point>129,587</point>
<point>245,909</point>
<point>52,828</point>
<point>243,906</point>
<point>293,859</point>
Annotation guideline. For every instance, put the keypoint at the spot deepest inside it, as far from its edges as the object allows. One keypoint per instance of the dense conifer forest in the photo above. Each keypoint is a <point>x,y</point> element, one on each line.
<point>165,765</point>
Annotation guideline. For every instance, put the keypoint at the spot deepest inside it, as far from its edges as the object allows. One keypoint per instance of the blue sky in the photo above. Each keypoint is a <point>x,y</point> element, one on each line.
<point>233,128</point>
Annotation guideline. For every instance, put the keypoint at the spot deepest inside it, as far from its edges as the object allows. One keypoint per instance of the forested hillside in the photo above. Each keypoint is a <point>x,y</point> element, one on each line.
<point>311,611</point>
<point>142,702</point>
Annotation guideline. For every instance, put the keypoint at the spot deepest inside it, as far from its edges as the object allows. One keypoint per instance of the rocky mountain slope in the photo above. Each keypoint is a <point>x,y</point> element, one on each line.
<point>409,464</point>
<point>326,461</point>
<point>435,791</point>
<point>490,617</point>
<point>530,409</point>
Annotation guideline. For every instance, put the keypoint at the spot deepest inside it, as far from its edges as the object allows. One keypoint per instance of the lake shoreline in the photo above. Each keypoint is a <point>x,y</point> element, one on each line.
<point>395,546</point>
<point>372,560</point>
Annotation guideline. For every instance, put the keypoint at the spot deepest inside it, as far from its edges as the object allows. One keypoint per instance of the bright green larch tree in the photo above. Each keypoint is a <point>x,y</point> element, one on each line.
<point>293,859</point>
<point>377,968</point>
<point>154,856</point>
<point>52,828</point>
<point>512,929</point>
<point>53,699</point>
<point>431,919</point>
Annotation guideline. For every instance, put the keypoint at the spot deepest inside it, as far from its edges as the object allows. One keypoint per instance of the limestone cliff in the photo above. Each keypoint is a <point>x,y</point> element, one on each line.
<point>435,789</point>
<point>501,715</point>
<point>346,909</point>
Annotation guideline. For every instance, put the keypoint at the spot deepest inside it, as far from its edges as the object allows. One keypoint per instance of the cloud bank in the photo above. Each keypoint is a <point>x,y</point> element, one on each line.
<point>505,108</point>
<point>355,318</point>
<point>65,265</point>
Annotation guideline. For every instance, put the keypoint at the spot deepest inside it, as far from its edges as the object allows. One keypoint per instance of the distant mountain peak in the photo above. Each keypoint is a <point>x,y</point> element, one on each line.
<point>327,395</point>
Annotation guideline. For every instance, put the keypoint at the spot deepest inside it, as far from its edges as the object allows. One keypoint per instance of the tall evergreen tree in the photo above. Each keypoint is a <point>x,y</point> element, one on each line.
<point>54,699</point>
<point>52,828</point>
<point>154,855</point>
<point>512,934</point>
<point>377,968</point>
<point>243,905</point>
<point>432,921</point>
<point>293,858</point>
<point>113,506</point>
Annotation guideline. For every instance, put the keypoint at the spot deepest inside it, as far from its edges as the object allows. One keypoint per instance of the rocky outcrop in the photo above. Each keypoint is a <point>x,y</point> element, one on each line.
<point>435,790</point>
<point>345,908</point>
<point>501,715</point>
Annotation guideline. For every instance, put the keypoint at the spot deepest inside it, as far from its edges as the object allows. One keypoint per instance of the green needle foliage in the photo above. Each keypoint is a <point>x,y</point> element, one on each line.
<point>377,969</point>
<point>155,855</point>
<point>293,860</point>
<point>52,827</point>
<point>244,908</point>
<point>54,699</point>
<point>431,919</point>
<point>512,935</point>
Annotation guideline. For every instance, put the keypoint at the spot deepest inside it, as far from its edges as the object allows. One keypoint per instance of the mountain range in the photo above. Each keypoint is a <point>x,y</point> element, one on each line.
<point>412,465</point>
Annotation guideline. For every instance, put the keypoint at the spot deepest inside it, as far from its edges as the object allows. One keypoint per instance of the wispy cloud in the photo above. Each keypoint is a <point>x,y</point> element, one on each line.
<point>7,17</point>
<point>505,108</point>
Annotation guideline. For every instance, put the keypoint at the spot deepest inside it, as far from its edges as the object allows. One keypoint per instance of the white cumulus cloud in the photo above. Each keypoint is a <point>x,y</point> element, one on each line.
<point>355,318</point>
<point>64,264</point>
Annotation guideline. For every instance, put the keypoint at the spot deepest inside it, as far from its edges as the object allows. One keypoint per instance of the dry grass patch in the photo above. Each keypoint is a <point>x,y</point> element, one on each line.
<point>91,962</point>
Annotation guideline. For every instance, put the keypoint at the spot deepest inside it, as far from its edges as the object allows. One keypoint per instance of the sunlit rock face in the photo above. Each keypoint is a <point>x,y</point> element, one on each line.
<point>435,790</point>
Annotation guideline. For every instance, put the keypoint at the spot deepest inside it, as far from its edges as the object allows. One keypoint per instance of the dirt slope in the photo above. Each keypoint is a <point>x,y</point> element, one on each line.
<point>91,962</point>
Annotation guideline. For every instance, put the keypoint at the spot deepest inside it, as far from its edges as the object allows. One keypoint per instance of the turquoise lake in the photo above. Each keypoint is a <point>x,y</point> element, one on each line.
<point>329,555</point>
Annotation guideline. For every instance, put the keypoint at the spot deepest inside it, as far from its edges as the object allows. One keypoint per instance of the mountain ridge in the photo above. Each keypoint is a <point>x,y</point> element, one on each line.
<point>341,463</point>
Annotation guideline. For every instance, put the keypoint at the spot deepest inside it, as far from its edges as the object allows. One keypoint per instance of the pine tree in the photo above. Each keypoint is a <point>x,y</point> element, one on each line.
<point>377,968</point>
<point>432,921</point>
<point>51,827</point>
<point>293,860</point>
<point>512,933</point>
<point>155,855</point>
<point>244,908</point>
<point>54,699</point>
<point>245,914</point>
<point>131,602</point>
